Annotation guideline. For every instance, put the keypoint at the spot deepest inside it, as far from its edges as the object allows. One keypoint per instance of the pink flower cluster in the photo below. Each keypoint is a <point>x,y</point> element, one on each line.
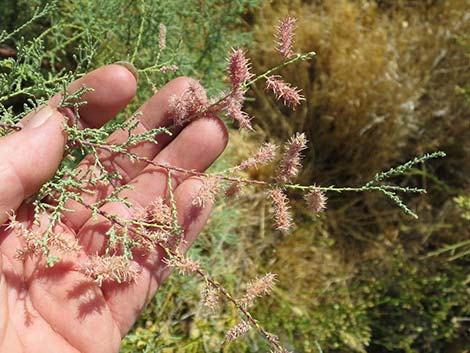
<point>207,192</point>
<point>257,288</point>
<point>282,216</point>
<point>238,69</point>
<point>192,102</point>
<point>184,265</point>
<point>234,110</point>
<point>210,297</point>
<point>316,200</point>
<point>159,212</point>
<point>233,189</point>
<point>285,36</point>
<point>290,95</point>
<point>264,155</point>
<point>239,73</point>
<point>237,331</point>
<point>291,160</point>
<point>185,107</point>
<point>112,268</point>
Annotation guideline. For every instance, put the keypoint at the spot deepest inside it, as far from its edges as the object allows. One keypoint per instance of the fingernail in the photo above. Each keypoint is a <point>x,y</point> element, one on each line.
<point>129,66</point>
<point>40,117</point>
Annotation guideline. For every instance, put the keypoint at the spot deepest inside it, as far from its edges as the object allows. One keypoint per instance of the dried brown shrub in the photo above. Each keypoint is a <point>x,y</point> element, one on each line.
<point>382,87</point>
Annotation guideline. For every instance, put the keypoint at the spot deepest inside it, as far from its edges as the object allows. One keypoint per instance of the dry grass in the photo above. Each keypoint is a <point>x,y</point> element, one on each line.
<point>381,90</point>
<point>376,85</point>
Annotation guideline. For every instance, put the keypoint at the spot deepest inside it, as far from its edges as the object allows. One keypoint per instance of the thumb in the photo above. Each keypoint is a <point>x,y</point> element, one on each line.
<point>29,158</point>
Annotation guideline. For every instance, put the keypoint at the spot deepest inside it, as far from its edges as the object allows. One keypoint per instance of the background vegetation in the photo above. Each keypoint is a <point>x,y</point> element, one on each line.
<point>391,80</point>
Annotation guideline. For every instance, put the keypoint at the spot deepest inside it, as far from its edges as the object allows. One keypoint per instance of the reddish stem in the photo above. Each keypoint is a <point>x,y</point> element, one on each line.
<point>177,169</point>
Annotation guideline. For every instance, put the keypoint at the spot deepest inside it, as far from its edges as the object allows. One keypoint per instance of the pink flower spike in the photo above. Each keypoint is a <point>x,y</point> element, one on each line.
<point>207,192</point>
<point>257,288</point>
<point>238,68</point>
<point>290,95</point>
<point>285,36</point>
<point>233,190</point>
<point>291,160</point>
<point>210,298</point>
<point>184,265</point>
<point>316,200</point>
<point>237,331</point>
<point>282,217</point>
<point>159,212</point>
<point>264,155</point>
<point>112,268</point>
<point>234,110</point>
<point>168,68</point>
<point>191,102</point>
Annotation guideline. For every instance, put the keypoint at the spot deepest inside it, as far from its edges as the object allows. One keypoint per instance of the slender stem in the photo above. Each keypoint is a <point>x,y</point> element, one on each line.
<point>168,167</point>
<point>267,73</point>
<point>139,37</point>
<point>27,90</point>
<point>233,178</point>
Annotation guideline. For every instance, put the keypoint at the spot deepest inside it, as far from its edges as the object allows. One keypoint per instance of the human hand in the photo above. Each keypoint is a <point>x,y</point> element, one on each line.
<point>58,309</point>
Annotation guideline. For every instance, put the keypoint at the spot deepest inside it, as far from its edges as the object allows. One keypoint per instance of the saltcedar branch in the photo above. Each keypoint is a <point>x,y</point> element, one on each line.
<point>241,180</point>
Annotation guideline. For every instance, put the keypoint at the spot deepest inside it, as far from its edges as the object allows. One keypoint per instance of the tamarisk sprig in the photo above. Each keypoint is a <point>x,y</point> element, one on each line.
<point>237,91</point>
<point>390,191</point>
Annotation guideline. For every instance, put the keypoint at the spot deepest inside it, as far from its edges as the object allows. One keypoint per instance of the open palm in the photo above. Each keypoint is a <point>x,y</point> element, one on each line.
<point>58,309</point>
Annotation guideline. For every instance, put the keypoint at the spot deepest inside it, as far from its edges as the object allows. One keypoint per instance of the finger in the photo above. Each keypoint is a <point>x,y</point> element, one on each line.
<point>191,217</point>
<point>3,303</point>
<point>74,307</point>
<point>154,113</point>
<point>29,158</point>
<point>153,271</point>
<point>112,88</point>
